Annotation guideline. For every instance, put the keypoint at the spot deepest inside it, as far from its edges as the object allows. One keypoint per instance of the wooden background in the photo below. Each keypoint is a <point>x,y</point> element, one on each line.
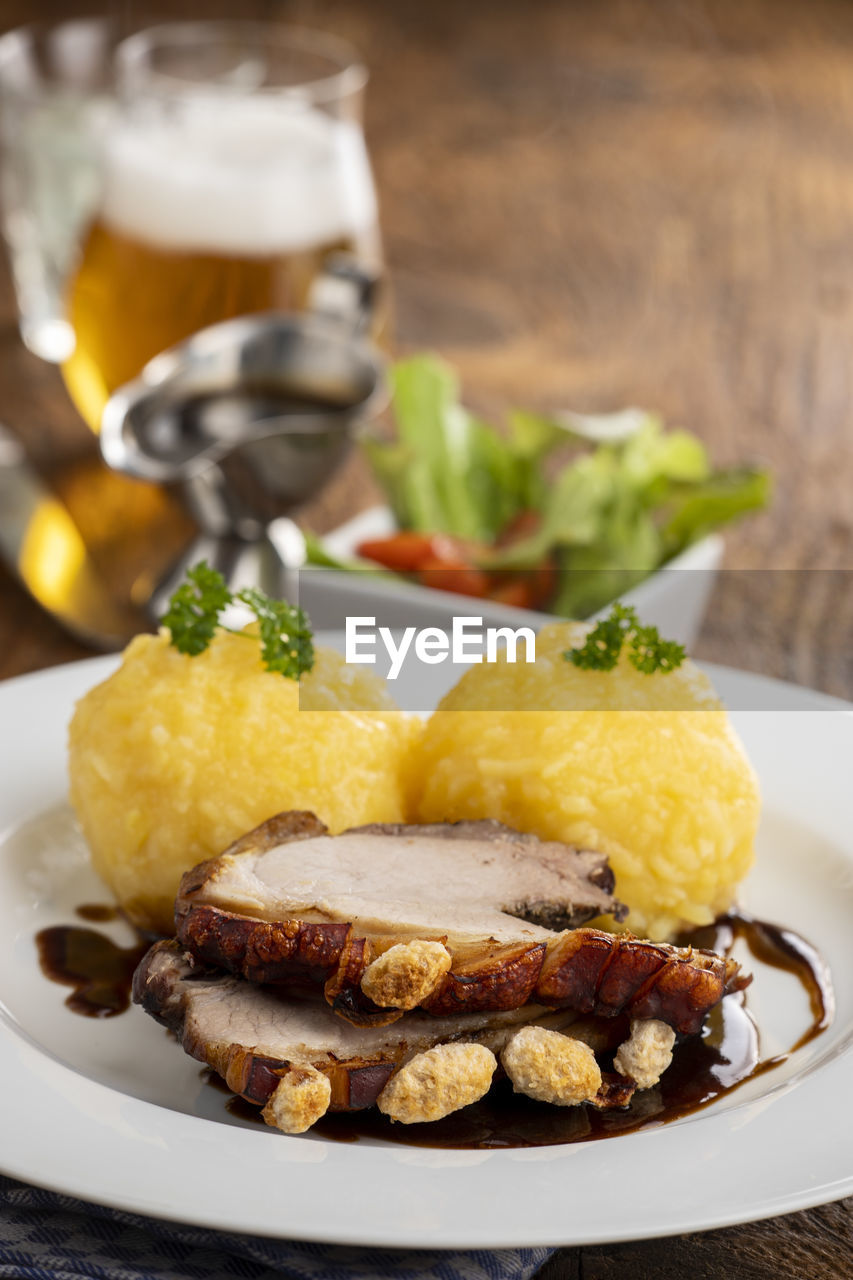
<point>596,204</point>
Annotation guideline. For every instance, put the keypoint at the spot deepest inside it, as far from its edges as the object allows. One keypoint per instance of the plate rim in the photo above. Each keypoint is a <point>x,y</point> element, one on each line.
<point>217,1218</point>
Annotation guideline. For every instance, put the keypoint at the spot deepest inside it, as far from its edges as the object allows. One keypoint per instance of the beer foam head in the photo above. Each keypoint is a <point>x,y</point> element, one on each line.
<point>257,178</point>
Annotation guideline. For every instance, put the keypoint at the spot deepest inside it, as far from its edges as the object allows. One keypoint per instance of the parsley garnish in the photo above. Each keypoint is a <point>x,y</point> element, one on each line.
<point>286,637</point>
<point>195,608</point>
<point>650,654</point>
<point>646,650</point>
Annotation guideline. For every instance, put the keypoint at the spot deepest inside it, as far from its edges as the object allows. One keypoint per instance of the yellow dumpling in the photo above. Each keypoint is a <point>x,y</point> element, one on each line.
<point>646,768</point>
<point>173,757</point>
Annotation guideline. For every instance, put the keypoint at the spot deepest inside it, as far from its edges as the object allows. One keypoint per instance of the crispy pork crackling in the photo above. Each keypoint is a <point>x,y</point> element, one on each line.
<point>296,1060</point>
<point>450,918</point>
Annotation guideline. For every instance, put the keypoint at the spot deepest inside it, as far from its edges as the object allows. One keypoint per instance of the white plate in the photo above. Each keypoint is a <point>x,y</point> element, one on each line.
<point>111,1111</point>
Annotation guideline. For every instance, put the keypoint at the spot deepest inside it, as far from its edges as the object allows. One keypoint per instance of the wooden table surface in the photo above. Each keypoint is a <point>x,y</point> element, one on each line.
<point>596,204</point>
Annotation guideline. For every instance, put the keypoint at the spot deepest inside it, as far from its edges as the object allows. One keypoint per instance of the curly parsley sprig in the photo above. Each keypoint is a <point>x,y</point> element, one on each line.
<point>193,618</point>
<point>646,650</point>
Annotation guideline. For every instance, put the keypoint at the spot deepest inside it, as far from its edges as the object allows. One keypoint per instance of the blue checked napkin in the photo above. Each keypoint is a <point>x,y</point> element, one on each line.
<point>45,1236</point>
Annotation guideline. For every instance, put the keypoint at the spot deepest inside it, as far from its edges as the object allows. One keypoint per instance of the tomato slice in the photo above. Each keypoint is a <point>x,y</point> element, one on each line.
<point>462,580</point>
<point>407,551</point>
<point>514,591</point>
<point>404,551</point>
<point>449,564</point>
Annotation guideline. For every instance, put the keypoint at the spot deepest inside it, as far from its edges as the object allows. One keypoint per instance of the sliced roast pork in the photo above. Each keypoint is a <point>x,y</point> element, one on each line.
<point>297,1060</point>
<point>450,918</point>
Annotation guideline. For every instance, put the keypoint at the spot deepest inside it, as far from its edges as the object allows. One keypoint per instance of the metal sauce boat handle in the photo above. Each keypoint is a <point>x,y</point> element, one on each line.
<point>345,293</point>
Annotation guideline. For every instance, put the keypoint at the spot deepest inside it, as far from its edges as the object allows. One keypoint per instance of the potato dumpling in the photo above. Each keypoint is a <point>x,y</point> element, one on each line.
<point>173,757</point>
<point>646,768</point>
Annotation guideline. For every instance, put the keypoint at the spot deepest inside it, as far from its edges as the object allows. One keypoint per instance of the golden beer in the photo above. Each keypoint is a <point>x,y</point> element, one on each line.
<point>215,204</point>
<point>130,300</point>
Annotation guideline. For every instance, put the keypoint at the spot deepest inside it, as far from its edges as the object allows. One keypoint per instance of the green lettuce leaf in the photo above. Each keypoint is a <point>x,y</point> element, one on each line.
<point>446,472</point>
<point>724,496</point>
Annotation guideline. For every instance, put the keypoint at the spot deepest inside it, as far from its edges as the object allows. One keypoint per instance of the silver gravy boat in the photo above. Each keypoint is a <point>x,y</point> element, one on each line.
<point>248,419</point>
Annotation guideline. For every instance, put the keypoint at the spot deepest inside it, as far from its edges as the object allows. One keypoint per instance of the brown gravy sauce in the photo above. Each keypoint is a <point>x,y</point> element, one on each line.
<point>99,971</point>
<point>778,948</point>
<point>97,912</point>
<point>704,1068</point>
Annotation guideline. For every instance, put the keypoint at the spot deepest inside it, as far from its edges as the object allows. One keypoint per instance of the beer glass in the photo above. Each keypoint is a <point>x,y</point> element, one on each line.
<point>236,167</point>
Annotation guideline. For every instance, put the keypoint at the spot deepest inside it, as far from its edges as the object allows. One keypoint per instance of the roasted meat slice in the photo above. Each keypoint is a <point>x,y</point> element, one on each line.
<point>448,918</point>
<point>459,881</point>
<point>297,1060</point>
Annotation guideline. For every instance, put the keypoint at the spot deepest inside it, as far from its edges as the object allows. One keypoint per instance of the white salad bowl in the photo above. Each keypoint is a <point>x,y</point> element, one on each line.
<point>673,598</point>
